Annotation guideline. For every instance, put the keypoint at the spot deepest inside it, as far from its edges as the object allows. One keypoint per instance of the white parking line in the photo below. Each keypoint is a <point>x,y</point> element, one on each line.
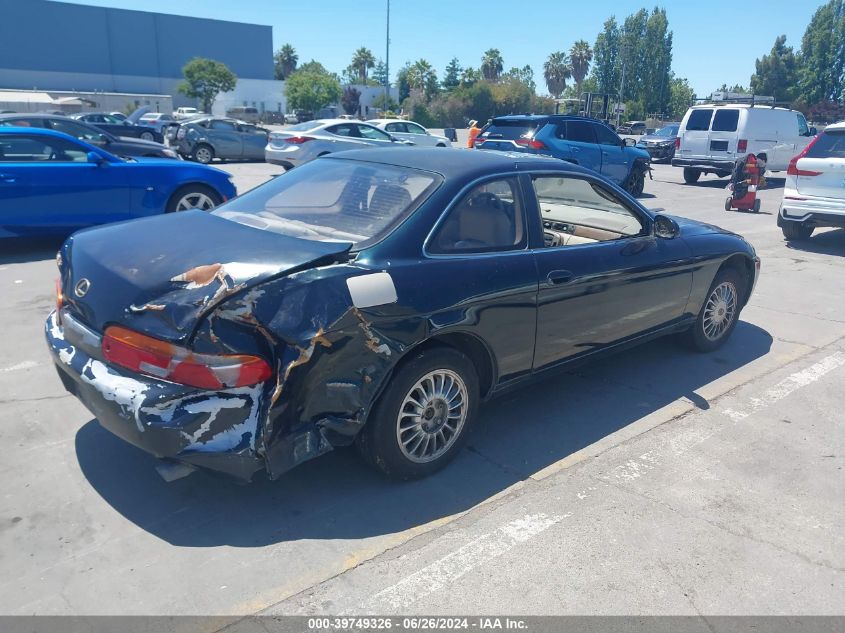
<point>455,564</point>
<point>788,385</point>
<point>27,364</point>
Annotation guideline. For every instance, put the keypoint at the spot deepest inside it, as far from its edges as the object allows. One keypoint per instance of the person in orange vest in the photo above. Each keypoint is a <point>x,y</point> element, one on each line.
<point>473,132</point>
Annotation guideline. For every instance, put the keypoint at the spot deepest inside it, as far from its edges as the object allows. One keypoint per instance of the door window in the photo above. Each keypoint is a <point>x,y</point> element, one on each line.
<point>81,132</point>
<point>578,211</point>
<point>699,120</point>
<point>23,122</point>
<point>373,133</point>
<point>413,128</point>
<point>227,126</point>
<point>396,127</point>
<point>725,121</point>
<point>606,136</point>
<point>803,128</point>
<point>36,149</point>
<point>344,129</point>
<point>487,219</point>
<point>576,131</point>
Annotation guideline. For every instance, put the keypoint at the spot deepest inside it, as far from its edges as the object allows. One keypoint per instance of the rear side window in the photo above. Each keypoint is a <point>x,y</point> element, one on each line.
<point>725,120</point>
<point>829,145</point>
<point>577,131</point>
<point>509,130</point>
<point>699,120</point>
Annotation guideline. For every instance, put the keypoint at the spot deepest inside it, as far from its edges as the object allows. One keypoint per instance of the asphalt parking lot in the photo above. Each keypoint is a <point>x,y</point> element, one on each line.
<point>657,482</point>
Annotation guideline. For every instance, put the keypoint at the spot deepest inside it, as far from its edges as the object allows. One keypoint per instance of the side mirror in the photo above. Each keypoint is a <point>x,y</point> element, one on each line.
<point>813,131</point>
<point>629,142</point>
<point>665,227</point>
<point>94,157</point>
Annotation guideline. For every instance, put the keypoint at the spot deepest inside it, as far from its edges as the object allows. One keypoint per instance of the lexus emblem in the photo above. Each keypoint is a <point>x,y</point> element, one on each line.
<point>81,288</point>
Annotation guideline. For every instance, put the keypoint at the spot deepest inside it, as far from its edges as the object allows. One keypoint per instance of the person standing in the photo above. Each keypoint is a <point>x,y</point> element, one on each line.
<point>473,132</point>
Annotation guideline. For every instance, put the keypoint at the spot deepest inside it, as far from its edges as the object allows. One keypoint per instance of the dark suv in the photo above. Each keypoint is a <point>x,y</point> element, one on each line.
<point>580,140</point>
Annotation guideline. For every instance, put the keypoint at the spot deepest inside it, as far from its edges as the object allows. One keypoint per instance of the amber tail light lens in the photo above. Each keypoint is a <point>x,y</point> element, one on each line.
<point>147,355</point>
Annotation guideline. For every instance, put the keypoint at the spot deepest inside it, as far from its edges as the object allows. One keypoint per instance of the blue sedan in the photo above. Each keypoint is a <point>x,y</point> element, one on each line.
<point>53,183</point>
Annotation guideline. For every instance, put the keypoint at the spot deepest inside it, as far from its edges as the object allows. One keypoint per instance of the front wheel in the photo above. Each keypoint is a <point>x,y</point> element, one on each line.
<point>203,153</point>
<point>422,420</point>
<point>193,197</point>
<point>796,230</point>
<point>691,176</point>
<point>147,136</point>
<point>728,204</point>
<point>720,312</point>
<point>757,206</point>
<point>636,181</point>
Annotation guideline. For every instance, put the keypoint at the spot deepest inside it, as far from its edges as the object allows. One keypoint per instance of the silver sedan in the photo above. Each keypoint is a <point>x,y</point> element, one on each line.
<point>306,141</point>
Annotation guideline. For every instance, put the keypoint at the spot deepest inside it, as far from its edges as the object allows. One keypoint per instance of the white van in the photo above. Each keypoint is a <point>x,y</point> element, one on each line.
<point>713,136</point>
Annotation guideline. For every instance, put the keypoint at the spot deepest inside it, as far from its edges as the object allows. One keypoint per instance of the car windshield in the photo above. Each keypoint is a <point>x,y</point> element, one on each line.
<point>668,131</point>
<point>332,200</point>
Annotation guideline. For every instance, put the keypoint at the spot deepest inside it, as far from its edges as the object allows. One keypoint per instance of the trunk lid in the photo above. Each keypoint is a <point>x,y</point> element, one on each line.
<point>161,275</point>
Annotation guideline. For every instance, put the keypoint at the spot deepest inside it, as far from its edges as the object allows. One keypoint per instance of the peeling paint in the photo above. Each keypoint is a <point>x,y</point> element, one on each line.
<point>373,342</point>
<point>147,306</point>
<point>128,393</point>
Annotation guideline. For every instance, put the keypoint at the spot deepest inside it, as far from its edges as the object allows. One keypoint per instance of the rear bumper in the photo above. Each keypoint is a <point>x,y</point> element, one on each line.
<point>287,157</point>
<point>813,215</point>
<point>215,430</point>
<point>704,164</point>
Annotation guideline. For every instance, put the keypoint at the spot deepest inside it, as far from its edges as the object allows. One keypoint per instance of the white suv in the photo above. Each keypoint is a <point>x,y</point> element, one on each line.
<point>814,194</point>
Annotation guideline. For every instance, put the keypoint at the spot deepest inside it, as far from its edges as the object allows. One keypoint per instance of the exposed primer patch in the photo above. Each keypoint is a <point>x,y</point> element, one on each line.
<point>212,406</point>
<point>147,306</point>
<point>66,354</point>
<point>233,436</point>
<point>373,342</point>
<point>128,393</point>
<point>200,276</point>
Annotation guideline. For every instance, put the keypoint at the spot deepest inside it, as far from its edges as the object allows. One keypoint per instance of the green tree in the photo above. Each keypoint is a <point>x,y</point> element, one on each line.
<point>380,73</point>
<point>480,102</point>
<point>777,73</point>
<point>350,99</point>
<point>362,60</point>
<point>580,56</point>
<point>556,70</point>
<point>606,67</point>
<point>822,76</point>
<point>309,89</point>
<point>205,79</point>
<point>284,61</point>
<point>735,88</point>
<point>511,96</point>
<point>385,102</point>
<point>492,65</point>
<point>452,78</point>
<point>470,75</point>
<point>422,77</point>
<point>681,95</point>
<point>314,67</point>
<point>402,82</point>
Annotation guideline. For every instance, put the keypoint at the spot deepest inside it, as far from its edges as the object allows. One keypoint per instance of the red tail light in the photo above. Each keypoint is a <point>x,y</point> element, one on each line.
<point>793,170</point>
<point>742,145</point>
<point>151,356</point>
<point>677,142</point>
<point>527,142</point>
<point>298,140</point>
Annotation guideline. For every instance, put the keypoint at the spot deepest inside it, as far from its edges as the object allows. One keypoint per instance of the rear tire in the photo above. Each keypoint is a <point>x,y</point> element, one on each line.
<point>203,153</point>
<point>410,431</point>
<point>718,316</point>
<point>728,205</point>
<point>796,230</point>
<point>757,206</point>
<point>691,176</point>
<point>636,181</point>
<point>192,197</point>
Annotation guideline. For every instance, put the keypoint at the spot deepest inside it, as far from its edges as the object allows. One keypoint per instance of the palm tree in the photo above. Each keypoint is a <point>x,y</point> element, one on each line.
<point>580,56</point>
<point>362,61</point>
<point>556,71</point>
<point>419,74</point>
<point>492,65</point>
<point>285,61</point>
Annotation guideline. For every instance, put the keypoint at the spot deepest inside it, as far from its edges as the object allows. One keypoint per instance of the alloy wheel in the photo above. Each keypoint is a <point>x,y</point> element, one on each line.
<point>195,200</point>
<point>720,311</point>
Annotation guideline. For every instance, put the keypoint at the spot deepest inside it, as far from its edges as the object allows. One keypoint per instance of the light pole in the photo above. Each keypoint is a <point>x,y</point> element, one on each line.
<point>625,52</point>
<point>387,60</point>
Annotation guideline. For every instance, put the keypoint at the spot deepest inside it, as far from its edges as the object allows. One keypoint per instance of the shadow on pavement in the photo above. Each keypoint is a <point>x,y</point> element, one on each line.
<point>826,243</point>
<point>20,250</point>
<point>338,497</point>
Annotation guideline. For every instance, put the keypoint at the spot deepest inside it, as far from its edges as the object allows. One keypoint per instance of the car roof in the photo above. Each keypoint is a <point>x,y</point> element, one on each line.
<point>458,163</point>
<point>546,117</point>
<point>42,131</point>
<point>320,122</point>
<point>839,125</point>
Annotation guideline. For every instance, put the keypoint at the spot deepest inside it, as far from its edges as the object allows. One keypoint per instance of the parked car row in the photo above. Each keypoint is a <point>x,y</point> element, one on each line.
<point>130,126</point>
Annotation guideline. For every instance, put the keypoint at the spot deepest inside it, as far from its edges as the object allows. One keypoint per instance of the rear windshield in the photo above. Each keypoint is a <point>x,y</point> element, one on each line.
<point>331,200</point>
<point>725,120</point>
<point>510,130</point>
<point>830,144</point>
<point>699,120</point>
<point>304,127</point>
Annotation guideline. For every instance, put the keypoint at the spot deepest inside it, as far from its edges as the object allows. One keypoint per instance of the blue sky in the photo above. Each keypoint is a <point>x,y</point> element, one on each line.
<point>715,41</point>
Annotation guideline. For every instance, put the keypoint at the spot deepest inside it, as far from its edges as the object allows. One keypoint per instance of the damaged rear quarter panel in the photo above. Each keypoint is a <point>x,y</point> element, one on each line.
<point>331,358</point>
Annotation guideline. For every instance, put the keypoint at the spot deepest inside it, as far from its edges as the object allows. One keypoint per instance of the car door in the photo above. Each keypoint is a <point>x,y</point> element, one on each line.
<point>398,129</point>
<point>603,275</point>
<point>695,133</point>
<point>253,140</point>
<point>482,274</point>
<point>375,136</point>
<point>225,138</point>
<point>49,185</point>
<point>575,140</point>
<point>614,162</point>
<point>418,135</point>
